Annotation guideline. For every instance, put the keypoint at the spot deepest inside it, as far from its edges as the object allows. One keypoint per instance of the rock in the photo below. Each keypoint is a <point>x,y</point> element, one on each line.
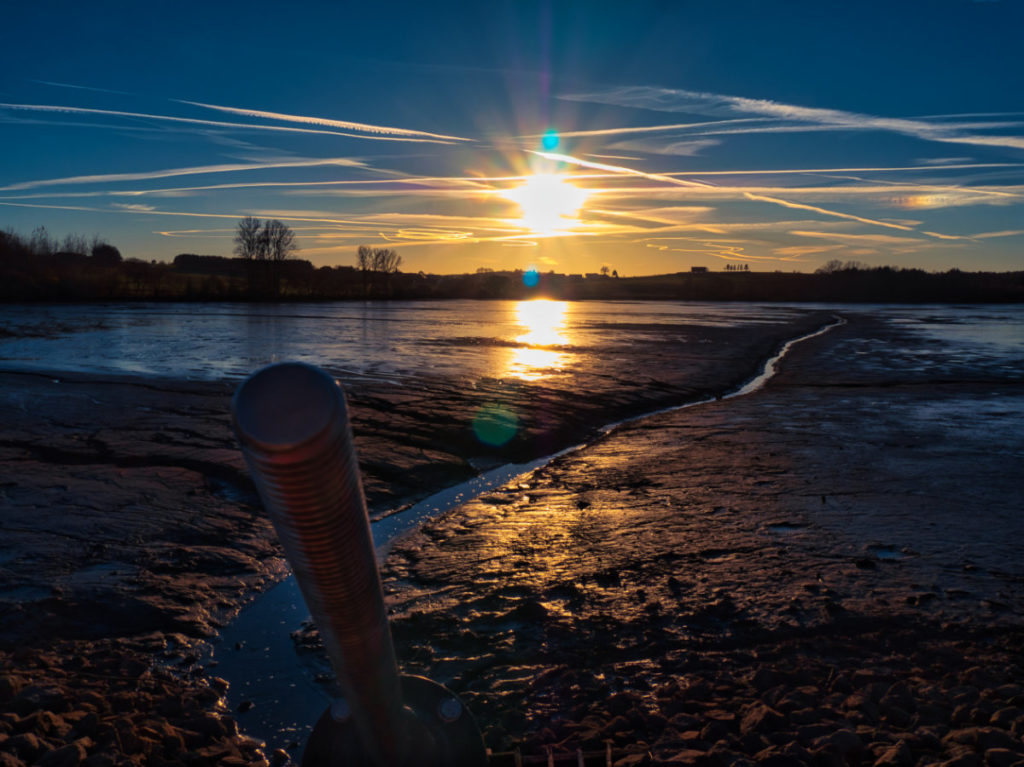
<point>964,760</point>
<point>761,718</point>
<point>70,755</point>
<point>1002,757</point>
<point>48,723</point>
<point>633,760</point>
<point>1005,717</point>
<point>688,756</point>
<point>26,746</point>
<point>10,760</point>
<point>48,697</point>
<point>10,686</point>
<point>990,738</point>
<point>898,755</point>
<point>845,743</point>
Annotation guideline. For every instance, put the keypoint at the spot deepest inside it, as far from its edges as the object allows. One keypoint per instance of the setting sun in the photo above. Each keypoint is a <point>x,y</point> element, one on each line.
<point>549,203</point>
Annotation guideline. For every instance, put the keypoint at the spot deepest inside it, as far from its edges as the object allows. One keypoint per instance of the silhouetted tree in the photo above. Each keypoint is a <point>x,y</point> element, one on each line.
<point>377,264</point>
<point>264,246</point>
<point>105,254</point>
<point>386,260</point>
<point>279,243</point>
<point>75,243</point>
<point>247,238</point>
<point>40,243</point>
<point>364,262</point>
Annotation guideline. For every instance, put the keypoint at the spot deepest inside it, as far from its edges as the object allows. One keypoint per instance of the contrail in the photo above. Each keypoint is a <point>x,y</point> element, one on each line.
<point>217,123</point>
<point>344,124</point>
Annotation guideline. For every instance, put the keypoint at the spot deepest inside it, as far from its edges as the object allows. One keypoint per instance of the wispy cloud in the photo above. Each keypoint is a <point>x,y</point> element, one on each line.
<point>327,122</point>
<point>1004,233</point>
<point>690,148</point>
<point>133,206</point>
<point>825,211</point>
<point>570,160</point>
<point>172,172</point>
<point>722,105</point>
<point>861,239</point>
<point>51,108</point>
<point>81,87</point>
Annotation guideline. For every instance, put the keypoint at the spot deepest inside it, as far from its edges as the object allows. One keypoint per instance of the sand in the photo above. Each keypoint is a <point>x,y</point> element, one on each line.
<point>824,572</point>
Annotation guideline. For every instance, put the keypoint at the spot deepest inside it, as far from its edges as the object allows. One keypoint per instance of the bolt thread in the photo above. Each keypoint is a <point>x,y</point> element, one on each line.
<point>308,478</point>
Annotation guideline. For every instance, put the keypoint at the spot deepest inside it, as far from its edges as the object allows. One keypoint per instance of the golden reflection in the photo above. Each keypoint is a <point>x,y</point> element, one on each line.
<point>543,323</point>
<point>548,203</point>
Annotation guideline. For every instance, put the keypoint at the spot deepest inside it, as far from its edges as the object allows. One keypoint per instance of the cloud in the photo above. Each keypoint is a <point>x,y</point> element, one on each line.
<point>875,239</point>
<point>326,122</point>
<point>213,123</point>
<point>81,87</point>
<point>1004,233</point>
<point>172,172</point>
<point>825,212</point>
<point>722,105</point>
<point>679,148</point>
<point>805,250</point>
<point>958,161</point>
<point>132,206</point>
<point>645,128</point>
<point>570,160</point>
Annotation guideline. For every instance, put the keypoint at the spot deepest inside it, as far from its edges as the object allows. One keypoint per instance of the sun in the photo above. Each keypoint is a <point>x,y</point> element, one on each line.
<point>548,202</point>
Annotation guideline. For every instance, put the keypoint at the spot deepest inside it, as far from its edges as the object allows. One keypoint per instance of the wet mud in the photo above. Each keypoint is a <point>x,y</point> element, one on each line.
<point>824,572</point>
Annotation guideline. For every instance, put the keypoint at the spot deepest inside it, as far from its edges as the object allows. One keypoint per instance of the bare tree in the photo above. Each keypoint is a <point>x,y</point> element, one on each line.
<point>247,238</point>
<point>364,258</point>
<point>40,242</point>
<point>377,261</point>
<point>279,241</point>
<point>364,262</point>
<point>386,260</point>
<point>264,246</point>
<point>75,243</point>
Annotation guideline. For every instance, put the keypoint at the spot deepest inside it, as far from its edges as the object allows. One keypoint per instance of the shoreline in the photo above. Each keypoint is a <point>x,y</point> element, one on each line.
<point>411,581</point>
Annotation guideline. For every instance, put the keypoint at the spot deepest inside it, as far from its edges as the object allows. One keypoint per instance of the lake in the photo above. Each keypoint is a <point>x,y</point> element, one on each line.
<point>460,340</point>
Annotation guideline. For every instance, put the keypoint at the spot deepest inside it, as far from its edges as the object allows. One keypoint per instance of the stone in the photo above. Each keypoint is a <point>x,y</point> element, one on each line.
<point>70,755</point>
<point>761,718</point>
<point>897,755</point>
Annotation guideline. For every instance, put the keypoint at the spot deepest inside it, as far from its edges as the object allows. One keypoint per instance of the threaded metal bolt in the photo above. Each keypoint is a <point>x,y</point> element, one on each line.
<point>292,422</point>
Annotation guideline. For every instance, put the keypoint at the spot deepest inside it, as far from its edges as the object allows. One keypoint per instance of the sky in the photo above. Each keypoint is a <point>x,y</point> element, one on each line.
<point>649,137</point>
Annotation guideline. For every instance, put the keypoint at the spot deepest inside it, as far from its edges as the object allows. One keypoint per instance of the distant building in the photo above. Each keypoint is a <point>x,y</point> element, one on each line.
<point>698,269</point>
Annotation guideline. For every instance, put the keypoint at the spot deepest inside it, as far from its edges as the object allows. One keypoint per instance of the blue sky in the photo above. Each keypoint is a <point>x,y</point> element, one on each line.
<point>664,134</point>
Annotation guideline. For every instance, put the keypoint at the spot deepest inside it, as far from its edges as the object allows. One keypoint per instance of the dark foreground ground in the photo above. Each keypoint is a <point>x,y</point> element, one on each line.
<point>828,571</point>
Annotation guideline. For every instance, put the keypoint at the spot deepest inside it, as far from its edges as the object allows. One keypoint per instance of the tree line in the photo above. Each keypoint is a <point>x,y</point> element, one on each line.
<point>41,267</point>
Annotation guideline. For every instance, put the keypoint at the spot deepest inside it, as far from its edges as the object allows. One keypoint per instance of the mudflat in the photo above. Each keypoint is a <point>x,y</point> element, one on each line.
<point>825,571</point>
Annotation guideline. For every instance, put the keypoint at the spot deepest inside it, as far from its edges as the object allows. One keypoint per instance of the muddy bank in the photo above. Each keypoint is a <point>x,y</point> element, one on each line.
<point>135,487</point>
<point>130,530</point>
<point>826,572</point>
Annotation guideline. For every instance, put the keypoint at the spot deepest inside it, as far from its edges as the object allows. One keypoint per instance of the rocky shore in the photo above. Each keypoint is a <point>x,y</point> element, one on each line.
<point>825,572</point>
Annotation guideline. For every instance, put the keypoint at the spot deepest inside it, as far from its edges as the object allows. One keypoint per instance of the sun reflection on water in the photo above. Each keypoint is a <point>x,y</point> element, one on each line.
<point>544,325</point>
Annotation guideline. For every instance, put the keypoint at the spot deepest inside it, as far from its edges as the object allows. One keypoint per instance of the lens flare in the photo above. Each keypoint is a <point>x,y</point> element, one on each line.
<point>495,424</point>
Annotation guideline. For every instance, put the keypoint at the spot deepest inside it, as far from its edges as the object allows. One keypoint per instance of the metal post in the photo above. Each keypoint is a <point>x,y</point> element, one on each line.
<point>292,422</point>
